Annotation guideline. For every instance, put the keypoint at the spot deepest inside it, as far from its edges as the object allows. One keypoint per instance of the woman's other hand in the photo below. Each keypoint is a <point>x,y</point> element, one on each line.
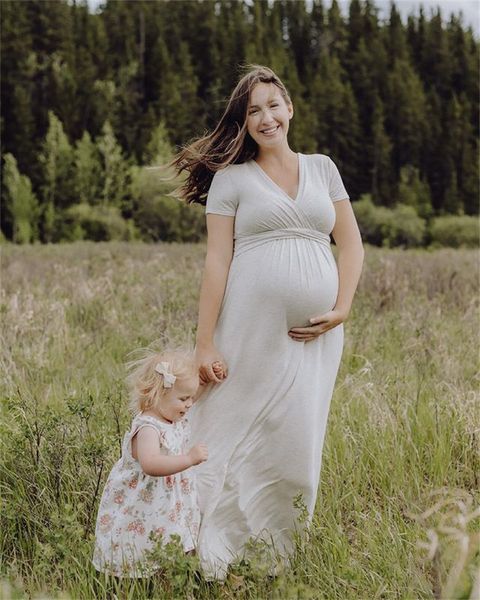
<point>319,325</point>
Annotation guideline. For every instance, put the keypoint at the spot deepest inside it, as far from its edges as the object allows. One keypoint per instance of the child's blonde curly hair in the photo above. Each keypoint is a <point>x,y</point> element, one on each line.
<point>145,384</point>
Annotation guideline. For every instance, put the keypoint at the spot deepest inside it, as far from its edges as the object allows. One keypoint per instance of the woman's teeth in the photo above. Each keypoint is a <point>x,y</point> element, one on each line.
<point>270,131</point>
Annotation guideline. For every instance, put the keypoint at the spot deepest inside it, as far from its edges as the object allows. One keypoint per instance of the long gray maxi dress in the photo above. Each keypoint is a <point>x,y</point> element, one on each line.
<point>265,424</point>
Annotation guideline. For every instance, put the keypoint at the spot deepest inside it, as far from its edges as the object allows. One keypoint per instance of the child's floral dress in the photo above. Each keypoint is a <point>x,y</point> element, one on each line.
<point>135,505</point>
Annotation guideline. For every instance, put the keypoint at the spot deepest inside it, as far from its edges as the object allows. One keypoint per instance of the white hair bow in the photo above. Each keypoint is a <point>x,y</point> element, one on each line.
<point>168,378</point>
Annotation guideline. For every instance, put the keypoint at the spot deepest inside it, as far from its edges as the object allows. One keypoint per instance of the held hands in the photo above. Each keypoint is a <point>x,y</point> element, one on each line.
<point>319,325</point>
<point>211,366</point>
<point>198,454</point>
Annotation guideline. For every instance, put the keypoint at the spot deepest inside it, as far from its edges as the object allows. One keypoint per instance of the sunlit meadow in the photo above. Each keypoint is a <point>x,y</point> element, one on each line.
<point>397,513</point>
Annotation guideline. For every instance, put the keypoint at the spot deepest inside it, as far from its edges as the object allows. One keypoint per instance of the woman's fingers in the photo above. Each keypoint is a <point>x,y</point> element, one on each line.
<point>208,372</point>
<point>307,333</point>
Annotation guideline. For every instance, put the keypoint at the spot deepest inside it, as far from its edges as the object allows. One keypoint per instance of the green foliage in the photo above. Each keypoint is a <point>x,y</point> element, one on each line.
<point>88,171</point>
<point>97,223</point>
<point>372,220</point>
<point>57,162</point>
<point>379,96</point>
<point>455,231</point>
<point>399,226</point>
<point>159,149</point>
<point>160,217</point>
<point>412,191</point>
<point>114,167</point>
<point>405,228</point>
<point>21,203</point>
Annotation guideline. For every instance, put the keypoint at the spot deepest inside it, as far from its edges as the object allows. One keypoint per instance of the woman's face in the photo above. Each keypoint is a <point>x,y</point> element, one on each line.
<point>268,115</point>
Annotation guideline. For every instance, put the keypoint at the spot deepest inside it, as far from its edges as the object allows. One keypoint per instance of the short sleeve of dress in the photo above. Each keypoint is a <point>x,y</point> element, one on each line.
<point>336,188</point>
<point>222,198</point>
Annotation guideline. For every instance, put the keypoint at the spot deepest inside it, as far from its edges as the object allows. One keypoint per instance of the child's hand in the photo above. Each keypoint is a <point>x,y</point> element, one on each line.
<point>198,454</point>
<point>219,370</point>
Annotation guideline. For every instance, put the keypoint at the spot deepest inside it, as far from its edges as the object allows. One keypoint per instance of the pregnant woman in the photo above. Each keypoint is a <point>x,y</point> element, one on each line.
<point>272,307</point>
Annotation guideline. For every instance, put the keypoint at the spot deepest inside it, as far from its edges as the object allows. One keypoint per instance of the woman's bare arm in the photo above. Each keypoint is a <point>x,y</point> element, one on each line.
<point>350,255</point>
<point>217,265</point>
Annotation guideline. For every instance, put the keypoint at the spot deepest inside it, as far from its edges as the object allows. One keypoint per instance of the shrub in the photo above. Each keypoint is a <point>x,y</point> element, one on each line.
<point>383,226</point>
<point>372,220</point>
<point>162,218</point>
<point>406,227</point>
<point>455,231</point>
<point>167,219</point>
<point>98,223</point>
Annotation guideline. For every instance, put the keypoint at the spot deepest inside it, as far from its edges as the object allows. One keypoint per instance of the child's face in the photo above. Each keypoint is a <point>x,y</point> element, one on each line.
<point>178,400</point>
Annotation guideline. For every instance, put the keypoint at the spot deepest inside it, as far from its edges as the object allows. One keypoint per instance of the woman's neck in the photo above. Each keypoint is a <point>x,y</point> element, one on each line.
<point>275,156</point>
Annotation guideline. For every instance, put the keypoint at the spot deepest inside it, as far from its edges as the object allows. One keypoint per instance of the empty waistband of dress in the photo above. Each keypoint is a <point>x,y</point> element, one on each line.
<point>249,242</point>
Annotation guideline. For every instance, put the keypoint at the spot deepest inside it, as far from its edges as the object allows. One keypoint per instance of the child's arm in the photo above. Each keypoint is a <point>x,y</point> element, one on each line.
<point>159,465</point>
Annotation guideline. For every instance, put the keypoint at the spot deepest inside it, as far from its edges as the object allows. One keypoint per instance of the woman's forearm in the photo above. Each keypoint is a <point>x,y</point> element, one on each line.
<point>212,290</point>
<point>349,263</point>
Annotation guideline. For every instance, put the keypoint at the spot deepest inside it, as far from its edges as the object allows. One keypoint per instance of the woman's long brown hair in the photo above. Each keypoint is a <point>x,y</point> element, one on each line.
<point>229,143</point>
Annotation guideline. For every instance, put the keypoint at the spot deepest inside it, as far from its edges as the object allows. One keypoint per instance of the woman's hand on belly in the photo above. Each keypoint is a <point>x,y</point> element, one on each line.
<point>319,325</point>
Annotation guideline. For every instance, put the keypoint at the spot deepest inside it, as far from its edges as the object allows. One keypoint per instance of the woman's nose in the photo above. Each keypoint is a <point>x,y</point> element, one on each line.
<point>267,117</point>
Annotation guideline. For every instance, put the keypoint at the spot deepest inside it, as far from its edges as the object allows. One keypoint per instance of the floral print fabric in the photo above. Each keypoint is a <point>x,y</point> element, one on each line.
<point>135,505</point>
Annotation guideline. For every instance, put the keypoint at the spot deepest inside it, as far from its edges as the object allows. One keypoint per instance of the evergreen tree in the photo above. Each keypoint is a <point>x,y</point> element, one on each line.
<point>159,149</point>
<point>338,131</point>
<point>380,98</point>
<point>21,203</point>
<point>381,172</point>
<point>406,116</point>
<point>180,107</point>
<point>88,171</point>
<point>57,164</point>
<point>412,191</point>
<point>114,172</point>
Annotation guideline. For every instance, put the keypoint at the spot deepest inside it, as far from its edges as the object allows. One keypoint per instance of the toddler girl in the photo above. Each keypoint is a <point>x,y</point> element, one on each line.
<point>150,492</point>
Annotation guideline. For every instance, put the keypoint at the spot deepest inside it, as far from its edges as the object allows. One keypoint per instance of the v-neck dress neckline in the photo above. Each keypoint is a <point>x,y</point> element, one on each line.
<point>301,179</point>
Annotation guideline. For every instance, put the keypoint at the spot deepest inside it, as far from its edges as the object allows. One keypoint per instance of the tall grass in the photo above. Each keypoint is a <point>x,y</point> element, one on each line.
<point>397,512</point>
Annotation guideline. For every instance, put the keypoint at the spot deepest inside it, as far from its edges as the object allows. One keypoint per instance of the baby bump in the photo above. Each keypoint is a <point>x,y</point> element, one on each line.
<point>293,279</point>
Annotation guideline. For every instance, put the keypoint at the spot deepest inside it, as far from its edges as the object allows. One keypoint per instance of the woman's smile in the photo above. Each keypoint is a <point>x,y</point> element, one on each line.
<point>270,131</point>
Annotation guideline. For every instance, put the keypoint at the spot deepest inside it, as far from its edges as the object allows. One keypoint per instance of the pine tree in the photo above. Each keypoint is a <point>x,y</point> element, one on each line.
<point>21,203</point>
<point>406,116</point>
<point>412,191</point>
<point>88,171</point>
<point>381,173</point>
<point>114,171</point>
<point>57,164</point>
<point>180,107</point>
<point>159,149</point>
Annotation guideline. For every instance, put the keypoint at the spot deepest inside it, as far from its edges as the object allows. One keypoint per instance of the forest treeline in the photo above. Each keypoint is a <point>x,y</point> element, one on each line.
<point>90,100</point>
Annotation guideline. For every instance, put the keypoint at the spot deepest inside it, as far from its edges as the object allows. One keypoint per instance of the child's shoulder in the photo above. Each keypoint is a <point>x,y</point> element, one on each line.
<point>146,418</point>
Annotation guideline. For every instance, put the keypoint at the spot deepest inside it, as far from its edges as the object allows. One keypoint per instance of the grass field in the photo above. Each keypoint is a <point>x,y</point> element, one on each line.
<point>397,513</point>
